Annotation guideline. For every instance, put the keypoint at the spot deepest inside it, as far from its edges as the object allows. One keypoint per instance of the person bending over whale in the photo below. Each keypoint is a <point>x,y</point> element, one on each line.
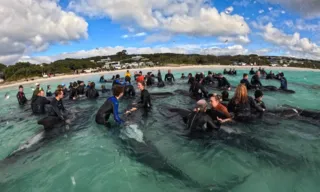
<point>222,114</point>
<point>38,103</point>
<point>223,83</point>
<point>245,81</point>
<point>21,96</point>
<point>102,80</point>
<point>111,106</point>
<point>160,82</point>
<point>190,78</point>
<point>255,80</point>
<point>129,90</point>
<point>242,104</point>
<point>197,90</point>
<point>92,93</point>
<point>81,88</point>
<point>208,80</point>
<point>73,95</point>
<point>199,121</point>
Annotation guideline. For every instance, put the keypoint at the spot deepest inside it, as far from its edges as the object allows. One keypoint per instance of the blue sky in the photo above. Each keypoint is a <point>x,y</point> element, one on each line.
<point>84,28</point>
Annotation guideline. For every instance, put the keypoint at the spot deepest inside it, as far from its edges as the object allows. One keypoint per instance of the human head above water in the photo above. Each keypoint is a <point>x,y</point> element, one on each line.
<point>245,76</point>
<point>201,105</point>
<point>141,85</point>
<point>58,93</point>
<point>118,91</point>
<point>20,88</point>
<point>215,100</point>
<point>225,95</point>
<point>258,94</point>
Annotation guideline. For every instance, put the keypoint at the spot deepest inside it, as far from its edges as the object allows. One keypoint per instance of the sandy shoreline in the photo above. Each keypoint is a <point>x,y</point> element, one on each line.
<point>173,67</point>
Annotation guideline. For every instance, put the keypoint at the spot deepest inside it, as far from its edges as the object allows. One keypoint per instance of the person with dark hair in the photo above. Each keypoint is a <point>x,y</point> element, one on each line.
<point>140,78</point>
<point>73,95</point>
<point>21,96</point>
<point>208,80</point>
<point>190,78</point>
<point>111,106</point>
<point>225,98</point>
<point>92,93</point>
<point>223,83</point>
<point>36,91</point>
<point>218,112</point>
<point>251,72</point>
<point>48,93</point>
<point>102,80</point>
<point>38,103</point>
<point>255,80</point>
<point>283,82</point>
<point>81,88</point>
<point>198,91</point>
<point>127,79</point>
<point>150,80</point>
<point>117,81</point>
<point>70,85</point>
<point>183,76</point>
<point>197,77</point>
<point>129,90</point>
<point>258,94</point>
<point>169,77</point>
<point>245,81</point>
<point>57,105</point>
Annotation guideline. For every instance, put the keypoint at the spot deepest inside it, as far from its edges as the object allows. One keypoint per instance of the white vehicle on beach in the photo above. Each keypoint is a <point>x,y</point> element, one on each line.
<point>115,65</point>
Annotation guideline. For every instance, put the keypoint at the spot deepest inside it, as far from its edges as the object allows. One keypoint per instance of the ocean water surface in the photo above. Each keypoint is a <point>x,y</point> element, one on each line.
<point>150,153</point>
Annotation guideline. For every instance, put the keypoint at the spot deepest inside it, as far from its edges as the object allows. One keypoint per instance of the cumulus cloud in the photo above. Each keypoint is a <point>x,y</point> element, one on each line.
<point>182,49</point>
<point>307,8</point>
<point>293,43</point>
<point>27,26</point>
<point>242,3</point>
<point>264,51</point>
<point>261,11</point>
<point>241,39</point>
<point>190,17</point>
<point>301,25</point>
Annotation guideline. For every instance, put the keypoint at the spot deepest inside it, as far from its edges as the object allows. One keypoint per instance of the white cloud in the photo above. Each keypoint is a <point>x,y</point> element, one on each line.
<point>238,39</point>
<point>294,43</point>
<point>190,17</point>
<point>125,36</point>
<point>140,34</point>
<point>131,30</point>
<point>307,8</point>
<point>182,49</point>
<point>301,25</point>
<point>264,51</point>
<point>283,12</point>
<point>158,38</point>
<point>28,26</point>
<point>270,8</point>
<point>261,11</point>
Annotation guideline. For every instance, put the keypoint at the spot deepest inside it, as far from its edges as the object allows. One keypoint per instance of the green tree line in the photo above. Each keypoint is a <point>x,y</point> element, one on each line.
<point>23,70</point>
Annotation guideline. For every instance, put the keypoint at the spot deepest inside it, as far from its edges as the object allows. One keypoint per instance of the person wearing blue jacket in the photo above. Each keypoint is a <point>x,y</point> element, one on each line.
<point>111,106</point>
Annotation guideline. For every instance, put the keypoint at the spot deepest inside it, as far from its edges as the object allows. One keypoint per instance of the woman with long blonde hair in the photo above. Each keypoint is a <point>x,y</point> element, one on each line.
<point>242,104</point>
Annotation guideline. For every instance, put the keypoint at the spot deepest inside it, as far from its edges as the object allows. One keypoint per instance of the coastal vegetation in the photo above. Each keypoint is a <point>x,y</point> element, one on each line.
<point>24,70</point>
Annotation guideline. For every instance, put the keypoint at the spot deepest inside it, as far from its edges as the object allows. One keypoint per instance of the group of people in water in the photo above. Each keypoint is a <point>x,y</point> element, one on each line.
<point>242,106</point>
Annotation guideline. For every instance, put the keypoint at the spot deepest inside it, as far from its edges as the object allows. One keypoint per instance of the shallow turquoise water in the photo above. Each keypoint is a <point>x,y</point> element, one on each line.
<point>93,158</point>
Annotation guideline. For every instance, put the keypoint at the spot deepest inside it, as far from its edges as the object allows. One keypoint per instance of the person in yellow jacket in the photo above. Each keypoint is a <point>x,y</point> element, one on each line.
<point>127,74</point>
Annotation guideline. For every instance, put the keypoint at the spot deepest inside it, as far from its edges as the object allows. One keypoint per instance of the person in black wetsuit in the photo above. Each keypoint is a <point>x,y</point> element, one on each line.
<point>270,75</point>
<point>103,89</point>
<point>242,105</point>
<point>198,77</point>
<point>223,83</point>
<point>92,93</point>
<point>183,76</point>
<point>81,88</point>
<point>199,122</point>
<point>111,106</point>
<point>150,80</point>
<point>73,95</point>
<point>160,81</point>
<point>117,81</point>
<point>39,102</point>
<point>251,72</point>
<point>21,96</point>
<point>198,91</point>
<point>234,72</point>
<point>208,80</point>
<point>65,90</point>
<point>58,109</point>
<point>70,85</point>
<point>129,90</point>
<point>283,82</point>
<point>145,101</point>
<point>245,81</point>
<point>102,80</point>
<point>36,91</point>
<point>169,77</point>
<point>225,98</point>
<point>258,94</point>
<point>48,93</point>
<point>255,80</point>
<point>190,78</point>
<point>225,71</point>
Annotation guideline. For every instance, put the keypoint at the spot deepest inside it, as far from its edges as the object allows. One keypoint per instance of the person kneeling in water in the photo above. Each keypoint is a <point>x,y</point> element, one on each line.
<point>129,90</point>
<point>111,106</point>
<point>92,93</point>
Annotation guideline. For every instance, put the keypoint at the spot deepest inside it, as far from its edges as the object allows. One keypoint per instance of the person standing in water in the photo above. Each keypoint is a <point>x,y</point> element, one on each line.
<point>223,83</point>
<point>111,106</point>
<point>255,80</point>
<point>245,81</point>
<point>38,103</point>
<point>242,105</point>
<point>283,82</point>
<point>57,105</point>
<point>92,93</point>
<point>48,93</point>
<point>36,91</point>
<point>21,96</point>
<point>169,77</point>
